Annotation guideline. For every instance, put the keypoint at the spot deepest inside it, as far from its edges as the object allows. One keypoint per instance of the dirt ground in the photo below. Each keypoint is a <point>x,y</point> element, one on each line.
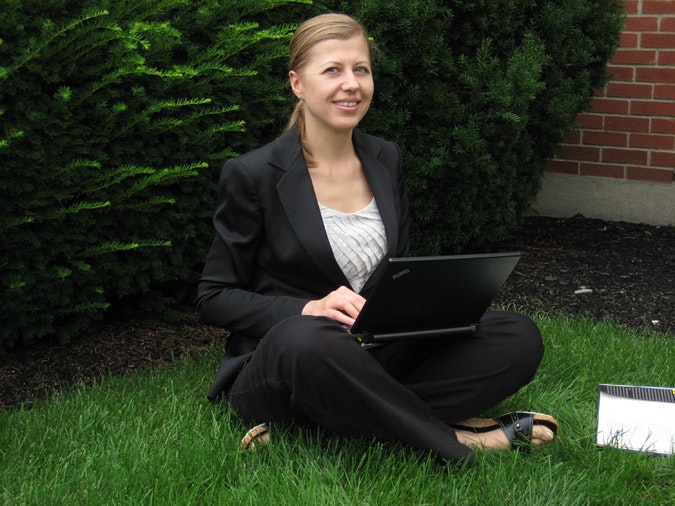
<point>611,271</point>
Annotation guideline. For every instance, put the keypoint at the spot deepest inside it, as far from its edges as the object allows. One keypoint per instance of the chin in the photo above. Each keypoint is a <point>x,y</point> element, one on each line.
<point>348,125</point>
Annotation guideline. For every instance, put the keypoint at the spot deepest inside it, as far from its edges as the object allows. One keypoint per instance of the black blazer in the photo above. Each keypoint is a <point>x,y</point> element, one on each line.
<point>271,254</point>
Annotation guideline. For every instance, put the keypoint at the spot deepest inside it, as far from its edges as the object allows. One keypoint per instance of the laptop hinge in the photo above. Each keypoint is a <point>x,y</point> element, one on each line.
<point>367,337</point>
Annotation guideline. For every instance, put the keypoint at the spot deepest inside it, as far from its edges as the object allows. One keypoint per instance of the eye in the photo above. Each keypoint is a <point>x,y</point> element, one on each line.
<point>362,70</point>
<point>331,70</point>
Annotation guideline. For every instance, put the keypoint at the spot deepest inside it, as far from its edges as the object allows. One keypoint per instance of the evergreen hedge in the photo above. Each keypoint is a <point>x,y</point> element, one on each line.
<point>115,119</point>
<point>117,115</point>
<point>479,94</point>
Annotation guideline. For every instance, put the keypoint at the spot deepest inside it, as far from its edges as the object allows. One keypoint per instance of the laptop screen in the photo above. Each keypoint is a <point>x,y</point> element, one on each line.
<point>417,294</point>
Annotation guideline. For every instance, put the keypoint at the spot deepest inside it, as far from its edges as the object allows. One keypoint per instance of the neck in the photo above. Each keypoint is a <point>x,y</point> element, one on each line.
<point>330,146</point>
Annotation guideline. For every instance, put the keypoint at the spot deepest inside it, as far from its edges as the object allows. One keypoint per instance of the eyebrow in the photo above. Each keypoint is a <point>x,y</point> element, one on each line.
<point>332,62</point>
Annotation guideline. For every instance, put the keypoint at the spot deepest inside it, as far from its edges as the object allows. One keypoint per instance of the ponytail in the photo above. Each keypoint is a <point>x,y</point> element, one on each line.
<point>298,119</point>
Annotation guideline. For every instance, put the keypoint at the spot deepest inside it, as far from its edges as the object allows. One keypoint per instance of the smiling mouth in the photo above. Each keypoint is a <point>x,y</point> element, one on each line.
<point>347,104</point>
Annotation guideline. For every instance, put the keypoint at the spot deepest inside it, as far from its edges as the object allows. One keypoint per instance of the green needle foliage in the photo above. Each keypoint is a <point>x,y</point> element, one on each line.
<point>115,117</point>
<point>479,94</point>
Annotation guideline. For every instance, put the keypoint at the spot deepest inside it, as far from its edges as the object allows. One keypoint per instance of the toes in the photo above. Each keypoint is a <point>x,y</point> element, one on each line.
<point>542,435</point>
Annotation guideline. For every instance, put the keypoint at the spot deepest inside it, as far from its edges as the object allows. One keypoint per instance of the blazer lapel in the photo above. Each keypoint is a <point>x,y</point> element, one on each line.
<point>298,199</point>
<point>380,184</point>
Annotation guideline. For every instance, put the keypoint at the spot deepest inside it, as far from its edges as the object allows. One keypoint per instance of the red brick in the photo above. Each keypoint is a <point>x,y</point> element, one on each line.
<point>573,137</point>
<point>641,24</point>
<point>631,6</point>
<point>652,141</point>
<point>587,153</point>
<point>618,155</point>
<point>659,40</point>
<point>595,121</point>
<point>637,105</point>
<point>634,56</point>
<point>610,105</point>
<point>655,75</point>
<point>649,174</point>
<point>664,91</point>
<point>596,138</point>
<point>658,7</point>
<point>602,170</point>
<point>666,58</point>
<point>652,108</point>
<point>663,126</point>
<point>621,73</point>
<point>630,90</point>
<point>627,123</point>
<point>663,159</point>
<point>563,167</point>
<point>629,40</point>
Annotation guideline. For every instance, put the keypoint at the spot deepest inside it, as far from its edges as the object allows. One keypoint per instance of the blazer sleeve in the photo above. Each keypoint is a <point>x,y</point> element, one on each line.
<point>224,295</point>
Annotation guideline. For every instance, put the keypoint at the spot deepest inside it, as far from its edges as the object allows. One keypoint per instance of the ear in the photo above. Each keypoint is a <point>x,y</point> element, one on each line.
<point>295,83</point>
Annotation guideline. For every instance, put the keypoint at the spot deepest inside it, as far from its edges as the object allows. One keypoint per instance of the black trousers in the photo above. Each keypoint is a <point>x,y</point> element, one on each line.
<point>307,370</point>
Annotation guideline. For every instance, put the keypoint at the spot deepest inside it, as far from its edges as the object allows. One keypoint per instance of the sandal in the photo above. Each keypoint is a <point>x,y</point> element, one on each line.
<point>517,426</point>
<point>256,439</point>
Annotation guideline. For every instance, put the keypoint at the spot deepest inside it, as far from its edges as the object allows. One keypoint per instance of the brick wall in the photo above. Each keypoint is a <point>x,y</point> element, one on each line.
<point>629,133</point>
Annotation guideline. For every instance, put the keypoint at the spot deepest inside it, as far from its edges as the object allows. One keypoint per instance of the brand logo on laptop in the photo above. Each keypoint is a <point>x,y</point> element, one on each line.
<point>400,274</point>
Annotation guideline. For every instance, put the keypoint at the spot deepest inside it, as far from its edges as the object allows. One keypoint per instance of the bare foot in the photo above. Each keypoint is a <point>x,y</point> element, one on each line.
<point>496,439</point>
<point>483,424</point>
<point>505,431</point>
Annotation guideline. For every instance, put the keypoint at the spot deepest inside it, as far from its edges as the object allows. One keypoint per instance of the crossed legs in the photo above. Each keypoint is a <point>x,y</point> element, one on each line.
<point>308,370</point>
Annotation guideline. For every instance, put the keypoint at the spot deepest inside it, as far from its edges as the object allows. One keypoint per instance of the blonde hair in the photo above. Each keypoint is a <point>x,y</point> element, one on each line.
<point>309,33</point>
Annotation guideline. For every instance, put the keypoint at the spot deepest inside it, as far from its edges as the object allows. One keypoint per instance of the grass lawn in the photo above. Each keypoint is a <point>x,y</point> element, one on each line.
<point>153,438</point>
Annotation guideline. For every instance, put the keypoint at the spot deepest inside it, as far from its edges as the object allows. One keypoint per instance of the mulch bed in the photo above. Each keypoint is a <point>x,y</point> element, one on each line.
<point>610,271</point>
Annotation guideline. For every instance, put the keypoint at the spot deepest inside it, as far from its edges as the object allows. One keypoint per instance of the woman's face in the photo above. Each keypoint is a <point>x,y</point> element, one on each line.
<point>335,83</point>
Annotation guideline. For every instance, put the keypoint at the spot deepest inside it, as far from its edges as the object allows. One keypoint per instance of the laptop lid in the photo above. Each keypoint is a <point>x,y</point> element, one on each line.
<point>427,297</point>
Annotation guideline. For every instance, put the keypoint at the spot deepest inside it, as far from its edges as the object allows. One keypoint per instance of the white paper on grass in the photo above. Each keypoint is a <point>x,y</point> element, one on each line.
<point>637,418</point>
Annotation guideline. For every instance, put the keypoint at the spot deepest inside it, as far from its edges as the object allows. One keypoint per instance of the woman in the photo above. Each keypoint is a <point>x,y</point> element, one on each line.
<point>303,228</point>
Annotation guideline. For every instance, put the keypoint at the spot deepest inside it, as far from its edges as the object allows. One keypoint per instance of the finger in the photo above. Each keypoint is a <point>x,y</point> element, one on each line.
<point>354,298</point>
<point>349,310</point>
<point>350,305</point>
<point>343,318</point>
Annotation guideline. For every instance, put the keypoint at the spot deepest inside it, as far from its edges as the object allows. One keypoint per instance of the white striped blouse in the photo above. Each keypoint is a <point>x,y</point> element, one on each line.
<point>358,241</point>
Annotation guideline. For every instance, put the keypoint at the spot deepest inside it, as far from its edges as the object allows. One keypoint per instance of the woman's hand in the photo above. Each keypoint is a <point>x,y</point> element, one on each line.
<point>342,305</point>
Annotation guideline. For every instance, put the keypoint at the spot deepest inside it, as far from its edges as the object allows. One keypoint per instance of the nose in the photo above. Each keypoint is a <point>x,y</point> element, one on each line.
<point>350,81</point>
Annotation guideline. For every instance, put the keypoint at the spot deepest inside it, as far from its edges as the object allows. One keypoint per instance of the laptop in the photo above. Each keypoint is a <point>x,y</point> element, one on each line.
<point>432,297</point>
